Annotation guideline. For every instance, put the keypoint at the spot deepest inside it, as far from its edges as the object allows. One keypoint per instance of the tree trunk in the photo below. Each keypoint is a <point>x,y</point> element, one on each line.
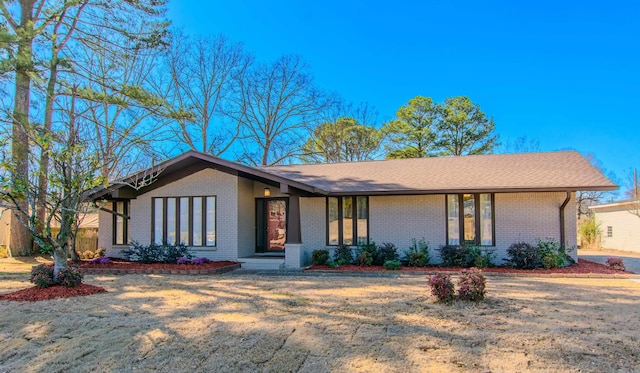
<point>43,181</point>
<point>59,260</point>
<point>20,242</point>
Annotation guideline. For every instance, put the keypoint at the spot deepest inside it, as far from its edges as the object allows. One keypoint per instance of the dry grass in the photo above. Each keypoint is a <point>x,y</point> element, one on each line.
<point>244,322</point>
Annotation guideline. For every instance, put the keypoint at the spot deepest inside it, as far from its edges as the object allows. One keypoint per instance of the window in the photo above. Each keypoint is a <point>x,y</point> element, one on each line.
<point>609,231</point>
<point>470,219</point>
<point>188,220</point>
<point>347,220</point>
<point>120,222</point>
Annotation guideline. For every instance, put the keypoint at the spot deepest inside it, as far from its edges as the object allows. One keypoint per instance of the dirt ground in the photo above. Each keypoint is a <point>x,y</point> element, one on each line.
<point>319,323</point>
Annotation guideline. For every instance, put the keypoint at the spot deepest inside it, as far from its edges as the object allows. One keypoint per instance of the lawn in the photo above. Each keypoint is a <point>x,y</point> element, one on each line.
<point>318,323</point>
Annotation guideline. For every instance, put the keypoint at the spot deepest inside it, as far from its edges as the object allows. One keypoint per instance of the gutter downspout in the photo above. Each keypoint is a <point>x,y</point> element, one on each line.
<point>562,227</point>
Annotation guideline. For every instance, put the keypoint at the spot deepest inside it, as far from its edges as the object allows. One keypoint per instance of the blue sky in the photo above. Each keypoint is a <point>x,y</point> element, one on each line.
<point>566,73</point>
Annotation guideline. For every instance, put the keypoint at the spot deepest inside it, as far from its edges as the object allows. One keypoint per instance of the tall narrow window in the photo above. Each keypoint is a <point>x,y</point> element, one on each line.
<point>120,226</point>
<point>363,221</point>
<point>474,226</point>
<point>197,221</point>
<point>333,218</point>
<point>211,221</point>
<point>453,219</point>
<point>171,221</point>
<point>347,220</point>
<point>158,220</point>
<point>486,219</point>
<point>187,220</point>
<point>469,218</point>
<point>184,220</point>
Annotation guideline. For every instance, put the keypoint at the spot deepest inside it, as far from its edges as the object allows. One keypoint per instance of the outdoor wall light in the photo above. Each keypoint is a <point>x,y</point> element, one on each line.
<point>267,192</point>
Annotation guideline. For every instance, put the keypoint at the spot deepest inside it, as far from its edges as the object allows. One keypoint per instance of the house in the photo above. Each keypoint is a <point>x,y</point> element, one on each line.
<point>619,224</point>
<point>274,217</point>
<point>87,232</point>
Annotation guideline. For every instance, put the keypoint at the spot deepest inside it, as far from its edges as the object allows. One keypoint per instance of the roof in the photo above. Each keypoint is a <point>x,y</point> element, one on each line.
<point>625,205</point>
<point>553,171</point>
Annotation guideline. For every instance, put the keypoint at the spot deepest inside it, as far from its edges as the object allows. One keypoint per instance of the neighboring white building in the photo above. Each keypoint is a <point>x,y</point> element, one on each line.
<point>228,211</point>
<point>619,225</point>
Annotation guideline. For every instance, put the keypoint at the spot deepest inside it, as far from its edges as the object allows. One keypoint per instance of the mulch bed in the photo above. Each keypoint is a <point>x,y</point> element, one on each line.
<point>124,265</point>
<point>35,293</point>
<point>582,267</point>
<point>117,266</point>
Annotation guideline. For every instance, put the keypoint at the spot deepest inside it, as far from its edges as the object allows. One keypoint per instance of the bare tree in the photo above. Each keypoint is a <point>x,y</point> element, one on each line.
<point>279,106</point>
<point>204,73</point>
<point>584,199</point>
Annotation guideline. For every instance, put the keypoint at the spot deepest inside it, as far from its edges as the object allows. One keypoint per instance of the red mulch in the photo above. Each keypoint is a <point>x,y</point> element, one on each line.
<point>583,267</point>
<point>35,293</point>
<point>123,264</point>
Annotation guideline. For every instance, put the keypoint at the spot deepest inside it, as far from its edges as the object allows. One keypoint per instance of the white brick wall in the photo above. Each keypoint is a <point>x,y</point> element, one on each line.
<point>399,219</point>
<point>625,228</point>
<point>527,216</point>
<point>207,182</point>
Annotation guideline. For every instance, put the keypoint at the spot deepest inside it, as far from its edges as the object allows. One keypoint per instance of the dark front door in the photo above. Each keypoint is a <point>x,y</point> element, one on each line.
<point>271,224</point>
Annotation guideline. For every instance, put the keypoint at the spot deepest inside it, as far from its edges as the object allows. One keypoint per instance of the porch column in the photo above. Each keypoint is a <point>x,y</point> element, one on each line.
<point>294,254</point>
<point>293,228</point>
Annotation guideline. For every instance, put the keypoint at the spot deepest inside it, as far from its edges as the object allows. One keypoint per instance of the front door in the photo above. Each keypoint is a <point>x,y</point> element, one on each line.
<point>271,224</point>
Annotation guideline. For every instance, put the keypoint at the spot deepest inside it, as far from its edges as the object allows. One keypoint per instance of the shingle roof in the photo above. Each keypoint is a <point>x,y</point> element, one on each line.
<point>553,171</point>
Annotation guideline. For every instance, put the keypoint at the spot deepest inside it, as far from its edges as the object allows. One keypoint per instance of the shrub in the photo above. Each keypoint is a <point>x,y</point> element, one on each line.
<point>418,253</point>
<point>183,260</point>
<point>442,287</point>
<point>525,256</point>
<point>615,263</point>
<point>99,253</point>
<point>589,230</point>
<point>200,261</point>
<point>552,260</point>
<point>101,260</point>
<point>365,258</point>
<point>392,265</point>
<point>42,275</point>
<point>87,254</point>
<point>386,252</point>
<point>465,256</point>
<point>70,277</point>
<point>319,257</point>
<point>485,259</point>
<point>156,253</point>
<point>471,285</point>
<point>342,255</point>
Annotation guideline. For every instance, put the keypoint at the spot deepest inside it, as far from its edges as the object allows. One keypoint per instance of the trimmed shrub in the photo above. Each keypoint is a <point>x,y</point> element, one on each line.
<point>386,252</point>
<point>156,253</point>
<point>524,256</point>
<point>616,263</point>
<point>342,255</point>
<point>70,277</point>
<point>392,265</point>
<point>442,287</point>
<point>319,257</point>
<point>367,254</point>
<point>365,258</point>
<point>465,256</point>
<point>471,285</point>
<point>42,275</point>
<point>418,253</point>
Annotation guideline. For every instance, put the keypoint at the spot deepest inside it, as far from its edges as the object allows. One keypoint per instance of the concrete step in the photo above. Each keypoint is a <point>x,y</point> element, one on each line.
<point>262,263</point>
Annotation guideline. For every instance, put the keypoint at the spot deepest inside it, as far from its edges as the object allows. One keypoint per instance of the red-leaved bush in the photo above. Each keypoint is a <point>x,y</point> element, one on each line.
<point>442,287</point>
<point>615,263</point>
<point>471,285</point>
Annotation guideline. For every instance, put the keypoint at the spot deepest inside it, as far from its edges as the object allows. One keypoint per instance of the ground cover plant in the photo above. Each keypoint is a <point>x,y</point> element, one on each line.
<point>307,323</point>
<point>615,263</point>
